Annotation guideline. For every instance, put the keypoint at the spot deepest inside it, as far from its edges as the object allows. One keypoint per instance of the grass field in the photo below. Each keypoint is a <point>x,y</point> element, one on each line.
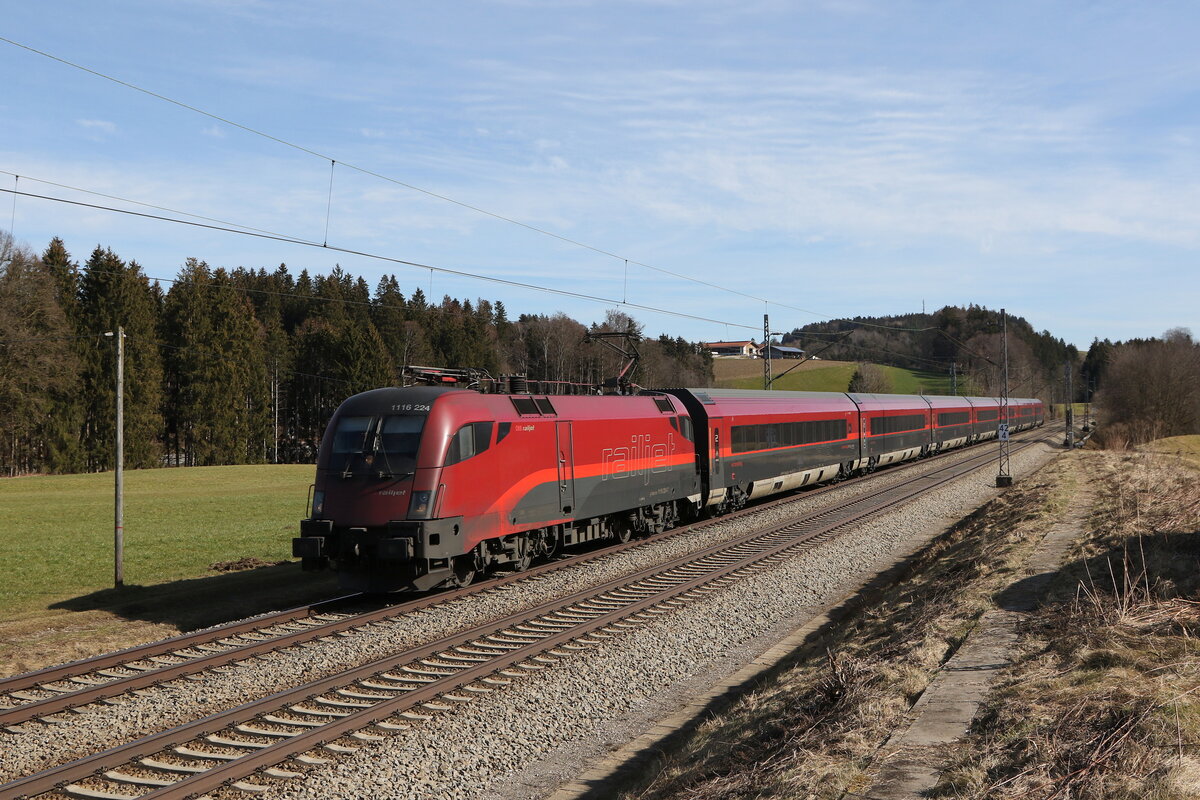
<point>58,530</point>
<point>820,376</point>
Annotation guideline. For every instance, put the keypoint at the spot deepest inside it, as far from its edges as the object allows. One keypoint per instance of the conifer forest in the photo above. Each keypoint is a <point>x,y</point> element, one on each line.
<point>245,366</point>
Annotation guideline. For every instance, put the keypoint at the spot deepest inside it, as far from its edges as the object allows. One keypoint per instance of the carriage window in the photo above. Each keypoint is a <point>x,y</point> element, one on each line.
<point>747,438</point>
<point>462,445</point>
<point>906,422</point>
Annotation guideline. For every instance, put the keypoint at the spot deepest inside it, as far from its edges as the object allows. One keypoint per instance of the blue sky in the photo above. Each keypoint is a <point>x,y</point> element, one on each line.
<point>822,159</point>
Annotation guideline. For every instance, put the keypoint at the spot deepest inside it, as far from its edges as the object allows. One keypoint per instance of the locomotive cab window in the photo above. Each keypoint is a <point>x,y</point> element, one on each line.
<point>383,445</point>
<point>351,434</point>
<point>399,439</point>
<point>470,440</point>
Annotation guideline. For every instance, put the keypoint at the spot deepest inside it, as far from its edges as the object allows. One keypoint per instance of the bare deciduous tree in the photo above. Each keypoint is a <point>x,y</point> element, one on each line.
<point>1152,390</point>
<point>870,379</point>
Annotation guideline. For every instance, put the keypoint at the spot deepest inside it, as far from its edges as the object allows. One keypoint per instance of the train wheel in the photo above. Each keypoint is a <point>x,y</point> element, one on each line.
<point>524,554</point>
<point>462,570</point>
<point>553,543</point>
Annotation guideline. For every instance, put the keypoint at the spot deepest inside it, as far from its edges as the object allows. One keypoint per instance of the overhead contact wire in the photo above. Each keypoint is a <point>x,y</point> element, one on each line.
<point>380,176</point>
<point>168,209</point>
<point>427,192</point>
<point>389,259</point>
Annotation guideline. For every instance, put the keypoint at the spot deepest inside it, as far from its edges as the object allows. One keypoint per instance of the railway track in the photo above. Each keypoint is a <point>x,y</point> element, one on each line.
<point>243,746</point>
<point>56,689</point>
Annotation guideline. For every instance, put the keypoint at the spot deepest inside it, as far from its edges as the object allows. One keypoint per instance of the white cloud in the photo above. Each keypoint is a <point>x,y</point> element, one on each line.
<point>858,155</point>
<point>100,125</point>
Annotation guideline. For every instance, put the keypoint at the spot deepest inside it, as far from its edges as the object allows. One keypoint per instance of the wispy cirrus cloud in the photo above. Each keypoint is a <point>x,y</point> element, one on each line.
<point>873,154</point>
<point>97,126</point>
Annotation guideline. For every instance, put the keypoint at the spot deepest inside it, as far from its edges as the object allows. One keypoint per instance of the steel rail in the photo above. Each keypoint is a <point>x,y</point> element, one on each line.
<point>835,517</point>
<point>118,658</point>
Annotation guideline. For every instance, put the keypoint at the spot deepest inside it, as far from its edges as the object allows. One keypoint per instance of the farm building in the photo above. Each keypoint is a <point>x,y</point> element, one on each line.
<point>779,351</point>
<point>746,349</point>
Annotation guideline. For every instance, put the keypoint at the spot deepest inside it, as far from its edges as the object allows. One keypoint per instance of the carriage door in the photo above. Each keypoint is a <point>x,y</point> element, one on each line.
<point>566,467</point>
<point>717,480</point>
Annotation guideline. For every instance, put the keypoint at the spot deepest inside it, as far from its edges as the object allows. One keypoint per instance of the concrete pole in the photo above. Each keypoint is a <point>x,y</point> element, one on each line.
<point>1070,442</point>
<point>119,472</point>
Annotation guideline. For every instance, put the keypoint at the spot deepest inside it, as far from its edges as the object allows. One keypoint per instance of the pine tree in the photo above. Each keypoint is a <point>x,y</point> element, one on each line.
<point>217,375</point>
<point>65,422</point>
<point>114,294</point>
<point>363,359</point>
<point>387,312</point>
<point>38,367</point>
<point>315,389</point>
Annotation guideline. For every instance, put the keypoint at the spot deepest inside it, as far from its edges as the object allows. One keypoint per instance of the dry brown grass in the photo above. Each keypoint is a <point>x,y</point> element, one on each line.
<point>810,731</point>
<point>1105,699</point>
<point>1185,447</point>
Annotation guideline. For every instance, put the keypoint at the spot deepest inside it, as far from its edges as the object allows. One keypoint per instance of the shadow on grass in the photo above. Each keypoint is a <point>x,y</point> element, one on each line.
<point>1167,564</point>
<point>201,602</point>
<point>1026,594</point>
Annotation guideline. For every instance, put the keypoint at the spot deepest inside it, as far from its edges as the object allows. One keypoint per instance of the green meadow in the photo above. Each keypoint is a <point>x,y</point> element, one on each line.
<point>824,376</point>
<point>57,541</point>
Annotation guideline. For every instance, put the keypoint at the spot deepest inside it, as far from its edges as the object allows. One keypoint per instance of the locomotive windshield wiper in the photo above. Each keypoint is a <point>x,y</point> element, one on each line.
<point>379,449</point>
<point>347,470</point>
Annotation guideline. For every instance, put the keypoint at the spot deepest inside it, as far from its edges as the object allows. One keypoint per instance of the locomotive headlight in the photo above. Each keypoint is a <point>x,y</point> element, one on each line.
<point>318,503</point>
<point>421,506</point>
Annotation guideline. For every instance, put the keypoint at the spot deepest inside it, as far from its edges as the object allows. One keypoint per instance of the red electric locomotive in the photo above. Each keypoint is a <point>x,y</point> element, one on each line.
<point>424,486</point>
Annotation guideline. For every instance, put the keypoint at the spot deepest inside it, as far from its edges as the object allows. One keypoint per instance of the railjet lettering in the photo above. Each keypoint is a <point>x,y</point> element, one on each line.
<point>641,457</point>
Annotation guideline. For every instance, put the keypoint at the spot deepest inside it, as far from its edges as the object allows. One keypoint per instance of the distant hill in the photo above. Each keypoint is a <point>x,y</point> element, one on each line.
<point>823,376</point>
<point>927,346</point>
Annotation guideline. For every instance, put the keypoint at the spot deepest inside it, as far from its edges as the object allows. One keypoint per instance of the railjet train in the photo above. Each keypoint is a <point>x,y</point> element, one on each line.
<point>423,487</point>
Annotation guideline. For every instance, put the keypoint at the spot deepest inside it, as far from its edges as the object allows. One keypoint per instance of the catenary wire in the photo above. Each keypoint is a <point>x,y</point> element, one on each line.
<point>286,237</point>
<point>134,338</point>
<point>150,205</point>
<point>389,259</point>
<point>436,195</point>
<point>313,243</point>
<point>51,339</point>
<point>380,176</point>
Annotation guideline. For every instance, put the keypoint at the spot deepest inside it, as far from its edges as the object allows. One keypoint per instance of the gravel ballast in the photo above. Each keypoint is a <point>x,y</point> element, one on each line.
<point>542,730</point>
<point>539,729</point>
